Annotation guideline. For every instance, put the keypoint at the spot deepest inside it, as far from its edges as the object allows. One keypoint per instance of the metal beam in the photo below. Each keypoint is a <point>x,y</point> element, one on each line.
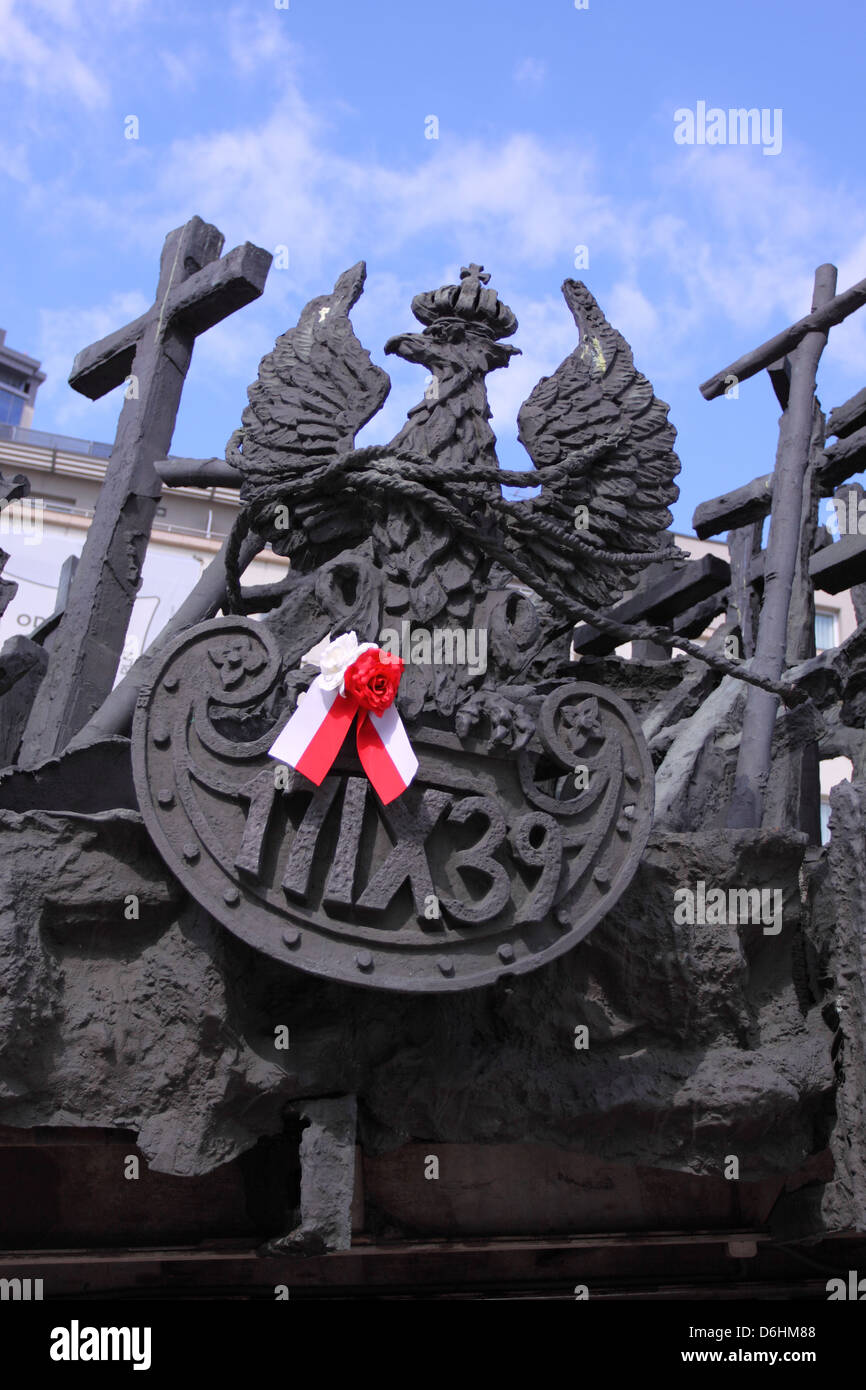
<point>846,456</point>
<point>732,510</point>
<point>792,461</point>
<point>820,320</point>
<point>850,416</point>
<point>780,378</point>
<point>659,602</point>
<point>176,472</point>
<point>839,566</point>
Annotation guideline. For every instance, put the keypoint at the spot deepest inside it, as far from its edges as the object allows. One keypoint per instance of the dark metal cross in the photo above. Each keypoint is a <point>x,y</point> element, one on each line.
<point>196,290</point>
<point>475,272</point>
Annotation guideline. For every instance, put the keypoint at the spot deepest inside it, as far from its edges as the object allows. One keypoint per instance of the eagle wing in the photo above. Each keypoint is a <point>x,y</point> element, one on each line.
<point>603,438</point>
<point>314,392</point>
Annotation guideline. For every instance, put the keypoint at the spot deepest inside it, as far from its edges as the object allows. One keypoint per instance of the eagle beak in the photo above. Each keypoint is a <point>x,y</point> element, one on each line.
<point>407,345</point>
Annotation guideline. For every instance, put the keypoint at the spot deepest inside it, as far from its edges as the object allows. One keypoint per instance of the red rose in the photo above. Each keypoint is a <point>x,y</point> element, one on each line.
<point>373,678</point>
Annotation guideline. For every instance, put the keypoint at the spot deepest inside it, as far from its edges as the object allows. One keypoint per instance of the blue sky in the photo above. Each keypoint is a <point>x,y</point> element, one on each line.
<point>305,127</point>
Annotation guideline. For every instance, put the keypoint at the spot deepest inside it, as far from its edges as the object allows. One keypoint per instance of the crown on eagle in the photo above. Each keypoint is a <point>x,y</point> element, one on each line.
<point>469,303</point>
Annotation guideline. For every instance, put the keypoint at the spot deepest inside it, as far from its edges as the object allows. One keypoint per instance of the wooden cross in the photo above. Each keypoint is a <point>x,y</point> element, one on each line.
<point>792,358</point>
<point>196,290</point>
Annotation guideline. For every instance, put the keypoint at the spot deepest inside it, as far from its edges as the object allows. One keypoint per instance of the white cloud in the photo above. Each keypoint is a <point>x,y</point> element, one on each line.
<point>384,309</point>
<point>530,72</point>
<point>261,42</point>
<point>530,203</point>
<point>13,162</point>
<point>735,251</point>
<point>635,318</point>
<point>181,69</point>
<point>47,62</point>
<point>721,236</point>
<point>63,333</point>
<point>753,251</point>
<point>546,335</point>
<point>63,12</point>
<point>719,239</point>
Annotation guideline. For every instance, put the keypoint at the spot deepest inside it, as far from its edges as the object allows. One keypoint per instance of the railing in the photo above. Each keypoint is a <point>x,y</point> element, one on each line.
<point>64,451</point>
<point>63,509</point>
<point>16,434</point>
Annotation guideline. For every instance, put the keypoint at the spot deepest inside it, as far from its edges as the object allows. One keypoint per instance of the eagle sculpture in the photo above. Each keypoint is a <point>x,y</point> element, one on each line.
<point>417,534</point>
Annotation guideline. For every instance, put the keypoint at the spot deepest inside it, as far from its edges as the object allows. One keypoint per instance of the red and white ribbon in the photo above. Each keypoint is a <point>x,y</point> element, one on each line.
<point>317,730</point>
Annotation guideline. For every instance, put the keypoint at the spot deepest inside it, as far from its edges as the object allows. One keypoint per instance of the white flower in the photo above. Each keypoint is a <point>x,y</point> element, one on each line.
<point>334,658</point>
<point>314,655</point>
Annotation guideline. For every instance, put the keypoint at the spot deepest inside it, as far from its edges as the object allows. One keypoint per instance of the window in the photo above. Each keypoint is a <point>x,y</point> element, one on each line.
<point>825,631</point>
<point>13,379</point>
<point>11,406</point>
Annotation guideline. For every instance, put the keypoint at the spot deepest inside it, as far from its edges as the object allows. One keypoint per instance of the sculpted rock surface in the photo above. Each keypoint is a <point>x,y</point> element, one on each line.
<point>699,1042</point>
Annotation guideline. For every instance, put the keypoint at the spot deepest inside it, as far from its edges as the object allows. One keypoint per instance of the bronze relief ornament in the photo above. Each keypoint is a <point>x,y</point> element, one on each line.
<point>532,798</point>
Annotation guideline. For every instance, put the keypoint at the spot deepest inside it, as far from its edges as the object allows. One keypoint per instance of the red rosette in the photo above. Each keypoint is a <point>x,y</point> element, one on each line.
<point>372,679</point>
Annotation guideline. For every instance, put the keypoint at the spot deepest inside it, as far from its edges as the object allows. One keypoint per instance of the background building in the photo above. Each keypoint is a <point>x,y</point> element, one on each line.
<point>65,476</point>
<point>20,379</point>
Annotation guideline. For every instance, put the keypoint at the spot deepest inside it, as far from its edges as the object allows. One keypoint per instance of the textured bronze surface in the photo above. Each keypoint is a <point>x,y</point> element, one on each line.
<point>490,864</point>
